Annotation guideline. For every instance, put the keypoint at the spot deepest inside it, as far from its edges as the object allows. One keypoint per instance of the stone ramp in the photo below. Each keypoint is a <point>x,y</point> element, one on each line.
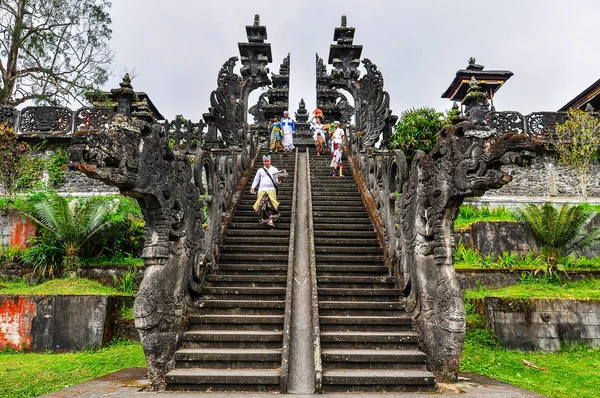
<point>367,340</point>
<point>236,331</point>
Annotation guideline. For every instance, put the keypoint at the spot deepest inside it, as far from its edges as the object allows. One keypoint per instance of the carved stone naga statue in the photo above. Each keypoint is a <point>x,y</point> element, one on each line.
<point>134,156</point>
<point>466,162</point>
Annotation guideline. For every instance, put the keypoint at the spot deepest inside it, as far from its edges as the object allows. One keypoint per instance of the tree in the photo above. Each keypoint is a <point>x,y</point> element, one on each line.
<point>70,224</point>
<point>559,232</point>
<point>52,51</point>
<point>577,141</point>
<point>15,157</point>
<point>417,129</point>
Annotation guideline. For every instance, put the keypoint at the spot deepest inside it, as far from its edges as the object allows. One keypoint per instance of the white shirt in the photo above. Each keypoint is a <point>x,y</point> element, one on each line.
<point>338,136</point>
<point>319,128</point>
<point>288,125</point>
<point>263,179</point>
<point>337,155</point>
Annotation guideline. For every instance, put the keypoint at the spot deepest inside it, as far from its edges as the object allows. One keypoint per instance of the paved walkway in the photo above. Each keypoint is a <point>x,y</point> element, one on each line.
<point>129,382</point>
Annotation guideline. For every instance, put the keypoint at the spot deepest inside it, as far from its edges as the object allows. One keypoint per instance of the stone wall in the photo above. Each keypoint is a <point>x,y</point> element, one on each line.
<point>499,278</point>
<point>58,323</point>
<point>545,177</point>
<point>541,325</point>
<point>79,184</point>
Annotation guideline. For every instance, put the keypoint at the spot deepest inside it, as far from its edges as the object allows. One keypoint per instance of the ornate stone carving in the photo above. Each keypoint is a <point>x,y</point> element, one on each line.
<point>376,115</point>
<point>227,108</point>
<point>134,156</point>
<point>8,115</point>
<point>465,163</point>
<point>93,118</point>
<point>46,119</point>
<point>507,121</point>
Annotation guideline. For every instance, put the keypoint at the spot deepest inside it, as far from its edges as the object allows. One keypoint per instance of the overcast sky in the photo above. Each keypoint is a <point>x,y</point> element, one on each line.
<point>177,47</point>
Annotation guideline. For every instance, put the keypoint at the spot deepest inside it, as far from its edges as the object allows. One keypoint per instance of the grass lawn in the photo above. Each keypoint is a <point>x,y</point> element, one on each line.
<point>58,286</point>
<point>31,374</point>
<point>572,372</point>
<point>588,289</point>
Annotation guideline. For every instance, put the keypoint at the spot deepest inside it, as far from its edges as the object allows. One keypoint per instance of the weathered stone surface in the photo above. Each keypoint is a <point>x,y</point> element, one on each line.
<point>134,156</point>
<point>58,323</point>
<point>542,325</point>
<point>494,238</point>
<point>465,162</point>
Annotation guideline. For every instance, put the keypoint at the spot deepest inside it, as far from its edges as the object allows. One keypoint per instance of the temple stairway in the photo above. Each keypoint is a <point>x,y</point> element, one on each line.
<point>235,338</point>
<point>367,339</point>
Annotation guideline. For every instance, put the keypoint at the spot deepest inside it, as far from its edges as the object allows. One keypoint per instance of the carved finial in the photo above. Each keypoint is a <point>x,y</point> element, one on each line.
<point>126,83</point>
<point>472,61</point>
<point>589,108</point>
<point>344,21</point>
<point>256,20</point>
<point>474,84</point>
<point>302,103</point>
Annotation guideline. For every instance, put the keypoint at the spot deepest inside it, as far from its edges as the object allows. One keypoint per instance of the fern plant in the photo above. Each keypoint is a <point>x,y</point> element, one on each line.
<point>71,222</point>
<point>559,232</point>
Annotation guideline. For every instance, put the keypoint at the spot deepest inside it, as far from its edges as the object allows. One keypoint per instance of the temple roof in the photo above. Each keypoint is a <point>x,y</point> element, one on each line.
<point>489,80</point>
<point>587,96</point>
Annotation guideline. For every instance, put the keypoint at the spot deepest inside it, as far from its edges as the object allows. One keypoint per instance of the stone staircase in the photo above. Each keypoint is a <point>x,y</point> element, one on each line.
<point>367,340</point>
<point>236,334</point>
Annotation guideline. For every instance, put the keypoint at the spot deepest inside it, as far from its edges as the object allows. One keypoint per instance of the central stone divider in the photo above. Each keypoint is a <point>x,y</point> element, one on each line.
<point>238,338</point>
<point>364,337</point>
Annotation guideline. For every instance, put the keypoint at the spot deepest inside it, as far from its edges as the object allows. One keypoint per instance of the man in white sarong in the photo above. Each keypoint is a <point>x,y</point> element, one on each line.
<point>266,179</point>
<point>289,128</point>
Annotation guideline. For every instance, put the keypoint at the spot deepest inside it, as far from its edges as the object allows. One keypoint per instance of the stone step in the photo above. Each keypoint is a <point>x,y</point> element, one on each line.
<point>337,242</point>
<point>236,319</point>
<point>362,377</point>
<point>258,231</point>
<point>340,222</point>
<point>245,290</point>
<point>341,291</point>
<point>215,303</point>
<point>271,240</point>
<point>344,258</point>
<point>245,266</point>
<point>371,355</point>
<point>321,225</point>
<point>233,335</point>
<point>254,257</point>
<point>256,225</point>
<point>262,248</point>
<point>327,247</point>
<point>364,320</point>
<point>247,278</point>
<point>344,268</point>
<point>200,378</point>
<point>349,235</point>
<point>361,305</point>
<point>228,354</point>
<point>369,337</point>
<point>356,279</point>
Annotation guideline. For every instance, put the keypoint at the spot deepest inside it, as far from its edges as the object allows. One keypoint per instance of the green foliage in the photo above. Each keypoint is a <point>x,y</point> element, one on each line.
<point>58,50</point>
<point>69,223</point>
<point>33,374</point>
<point>44,256</point>
<point>70,286</point>
<point>123,234</point>
<point>468,214</point>
<point>417,129</point>
<point>128,283</point>
<point>559,232</point>
<point>10,255</point>
<point>542,287</point>
<point>577,141</point>
<point>19,168</point>
<point>56,168</point>
<point>507,260</point>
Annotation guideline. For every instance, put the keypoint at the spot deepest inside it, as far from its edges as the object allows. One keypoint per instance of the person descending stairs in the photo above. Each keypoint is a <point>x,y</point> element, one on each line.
<point>235,338</point>
<point>367,340</point>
